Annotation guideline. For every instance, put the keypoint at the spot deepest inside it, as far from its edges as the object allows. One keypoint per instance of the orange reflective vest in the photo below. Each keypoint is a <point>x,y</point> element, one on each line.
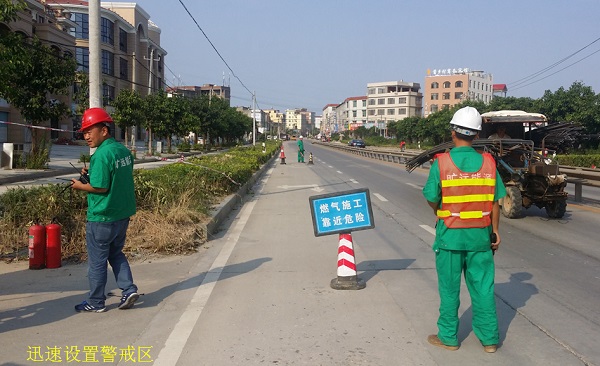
<point>467,198</point>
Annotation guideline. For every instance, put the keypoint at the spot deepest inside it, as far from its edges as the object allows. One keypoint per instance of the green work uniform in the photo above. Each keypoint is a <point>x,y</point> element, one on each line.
<point>111,167</point>
<point>468,251</point>
<point>300,151</point>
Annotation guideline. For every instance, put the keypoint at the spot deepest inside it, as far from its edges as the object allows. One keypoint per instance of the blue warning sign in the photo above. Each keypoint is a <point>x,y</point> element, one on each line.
<point>341,212</point>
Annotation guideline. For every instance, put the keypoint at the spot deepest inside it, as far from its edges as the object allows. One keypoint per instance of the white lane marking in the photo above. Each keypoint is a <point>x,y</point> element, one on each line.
<point>381,198</point>
<point>428,228</point>
<point>339,172</point>
<point>354,181</point>
<point>174,345</point>
<point>414,185</point>
<point>329,166</point>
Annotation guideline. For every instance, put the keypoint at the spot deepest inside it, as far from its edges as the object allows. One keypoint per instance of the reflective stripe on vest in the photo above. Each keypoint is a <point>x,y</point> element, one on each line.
<point>467,198</point>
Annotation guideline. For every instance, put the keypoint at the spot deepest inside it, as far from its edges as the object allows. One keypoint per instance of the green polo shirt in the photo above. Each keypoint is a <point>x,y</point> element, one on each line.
<point>473,239</point>
<point>111,167</point>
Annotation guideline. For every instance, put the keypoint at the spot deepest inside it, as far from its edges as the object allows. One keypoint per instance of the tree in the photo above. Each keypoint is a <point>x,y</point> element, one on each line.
<point>577,104</point>
<point>129,110</point>
<point>31,75</point>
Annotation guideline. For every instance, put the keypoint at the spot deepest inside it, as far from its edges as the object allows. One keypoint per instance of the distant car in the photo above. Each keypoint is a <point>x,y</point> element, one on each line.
<point>357,143</point>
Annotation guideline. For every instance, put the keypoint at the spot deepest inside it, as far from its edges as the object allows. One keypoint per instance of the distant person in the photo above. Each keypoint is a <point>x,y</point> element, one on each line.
<point>463,189</point>
<point>300,150</point>
<point>111,202</point>
<point>500,133</point>
<point>402,145</point>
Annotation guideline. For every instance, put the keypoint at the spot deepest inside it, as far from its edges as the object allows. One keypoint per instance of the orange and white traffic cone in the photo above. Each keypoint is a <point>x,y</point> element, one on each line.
<point>346,271</point>
<point>282,155</point>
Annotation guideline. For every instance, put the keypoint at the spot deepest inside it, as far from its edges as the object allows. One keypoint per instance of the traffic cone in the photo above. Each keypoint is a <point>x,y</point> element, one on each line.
<point>310,160</point>
<point>282,155</point>
<point>346,272</point>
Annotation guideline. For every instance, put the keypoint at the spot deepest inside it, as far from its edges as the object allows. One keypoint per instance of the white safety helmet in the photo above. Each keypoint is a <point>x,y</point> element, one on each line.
<point>300,136</point>
<point>466,121</point>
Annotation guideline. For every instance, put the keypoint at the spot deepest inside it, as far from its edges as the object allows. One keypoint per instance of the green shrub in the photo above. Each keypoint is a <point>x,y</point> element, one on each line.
<point>579,160</point>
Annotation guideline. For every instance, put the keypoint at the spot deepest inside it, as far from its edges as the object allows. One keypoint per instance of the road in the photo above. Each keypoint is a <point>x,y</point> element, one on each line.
<point>258,292</point>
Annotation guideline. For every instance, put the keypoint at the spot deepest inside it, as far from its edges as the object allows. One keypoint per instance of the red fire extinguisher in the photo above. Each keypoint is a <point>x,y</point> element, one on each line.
<point>37,246</point>
<point>53,251</point>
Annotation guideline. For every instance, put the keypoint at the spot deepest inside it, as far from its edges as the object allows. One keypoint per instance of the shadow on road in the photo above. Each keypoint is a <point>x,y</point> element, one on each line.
<point>61,307</point>
<point>371,268</point>
<point>515,293</point>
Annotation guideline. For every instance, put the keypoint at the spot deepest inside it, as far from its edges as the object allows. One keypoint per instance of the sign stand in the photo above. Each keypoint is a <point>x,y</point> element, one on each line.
<point>341,213</point>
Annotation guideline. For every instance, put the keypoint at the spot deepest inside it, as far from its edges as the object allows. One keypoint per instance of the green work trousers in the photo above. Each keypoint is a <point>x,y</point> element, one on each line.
<point>478,269</point>
<point>301,156</point>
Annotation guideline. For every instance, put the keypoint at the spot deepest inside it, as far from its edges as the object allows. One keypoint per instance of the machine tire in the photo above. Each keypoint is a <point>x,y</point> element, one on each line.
<point>512,204</point>
<point>556,209</point>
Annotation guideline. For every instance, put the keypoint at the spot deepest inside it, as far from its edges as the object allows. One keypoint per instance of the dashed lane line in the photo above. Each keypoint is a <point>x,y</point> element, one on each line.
<point>381,198</point>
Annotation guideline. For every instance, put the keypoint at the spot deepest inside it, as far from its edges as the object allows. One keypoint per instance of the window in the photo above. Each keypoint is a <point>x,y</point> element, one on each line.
<point>107,31</point>
<point>391,112</point>
<point>354,114</point>
<point>122,40</point>
<point>123,69</point>
<point>381,101</point>
<point>380,90</point>
<point>446,96</point>
<point>391,100</point>
<point>402,100</point>
<point>82,27</point>
<point>381,112</point>
<point>371,101</point>
<point>354,104</point>
<point>446,84</point>
<point>433,108</point>
<point>108,63</point>
<point>445,106</point>
<point>82,55</point>
<point>402,111</point>
<point>371,112</point>
<point>458,84</point>
<point>435,85</point>
<point>3,127</point>
<point>364,103</point>
<point>108,94</point>
<point>364,113</point>
<point>434,96</point>
<point>458,95</point>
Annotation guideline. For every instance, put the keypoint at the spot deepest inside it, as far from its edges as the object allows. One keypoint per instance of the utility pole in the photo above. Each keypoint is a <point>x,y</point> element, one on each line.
<point>94,48</point>
<point>254,118</point>
<point>150,77</point>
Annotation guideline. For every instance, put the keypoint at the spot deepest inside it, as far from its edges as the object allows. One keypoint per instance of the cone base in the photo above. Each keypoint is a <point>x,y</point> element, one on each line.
<point>348,283</point>
<point>283,161</point>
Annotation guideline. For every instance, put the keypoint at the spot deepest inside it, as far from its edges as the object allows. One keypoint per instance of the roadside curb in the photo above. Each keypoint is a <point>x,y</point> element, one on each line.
<point>222,210</point>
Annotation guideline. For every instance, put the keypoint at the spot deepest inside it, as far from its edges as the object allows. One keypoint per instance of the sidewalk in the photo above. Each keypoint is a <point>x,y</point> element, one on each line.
<point>61,158</point>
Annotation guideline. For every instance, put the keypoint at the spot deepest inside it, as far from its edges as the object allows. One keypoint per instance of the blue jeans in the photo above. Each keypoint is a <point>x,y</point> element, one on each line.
<point>105,241</point>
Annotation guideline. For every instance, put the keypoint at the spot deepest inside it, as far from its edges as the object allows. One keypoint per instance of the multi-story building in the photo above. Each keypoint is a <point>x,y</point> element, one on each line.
<point>298,120</point>
<point>352,112</point>
<point>132,57</point>
<point>277,120</point>
<point>445,88</point>
<point>51,27</point>
<point>391,101</point>
<point>329,122</point>
<point>211,90</point>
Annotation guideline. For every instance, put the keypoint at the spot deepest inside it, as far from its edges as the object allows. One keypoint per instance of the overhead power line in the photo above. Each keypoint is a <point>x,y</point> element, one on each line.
<point>519,83</point>
<point>215,48</point>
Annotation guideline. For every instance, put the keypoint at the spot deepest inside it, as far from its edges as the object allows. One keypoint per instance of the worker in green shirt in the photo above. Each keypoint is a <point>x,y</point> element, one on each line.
<point>463,189</point>
<point>300,150</point>
<point>111,201</point>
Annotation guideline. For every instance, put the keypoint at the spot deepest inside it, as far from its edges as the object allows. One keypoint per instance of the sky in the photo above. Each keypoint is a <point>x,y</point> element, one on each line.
<point>310,53</point>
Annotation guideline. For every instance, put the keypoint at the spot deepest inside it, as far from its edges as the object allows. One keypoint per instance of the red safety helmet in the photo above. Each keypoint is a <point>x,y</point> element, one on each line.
<point>94,116</point>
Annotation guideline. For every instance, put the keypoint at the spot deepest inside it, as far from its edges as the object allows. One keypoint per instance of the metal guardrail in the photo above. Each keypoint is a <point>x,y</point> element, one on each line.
<point>576,175</point>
